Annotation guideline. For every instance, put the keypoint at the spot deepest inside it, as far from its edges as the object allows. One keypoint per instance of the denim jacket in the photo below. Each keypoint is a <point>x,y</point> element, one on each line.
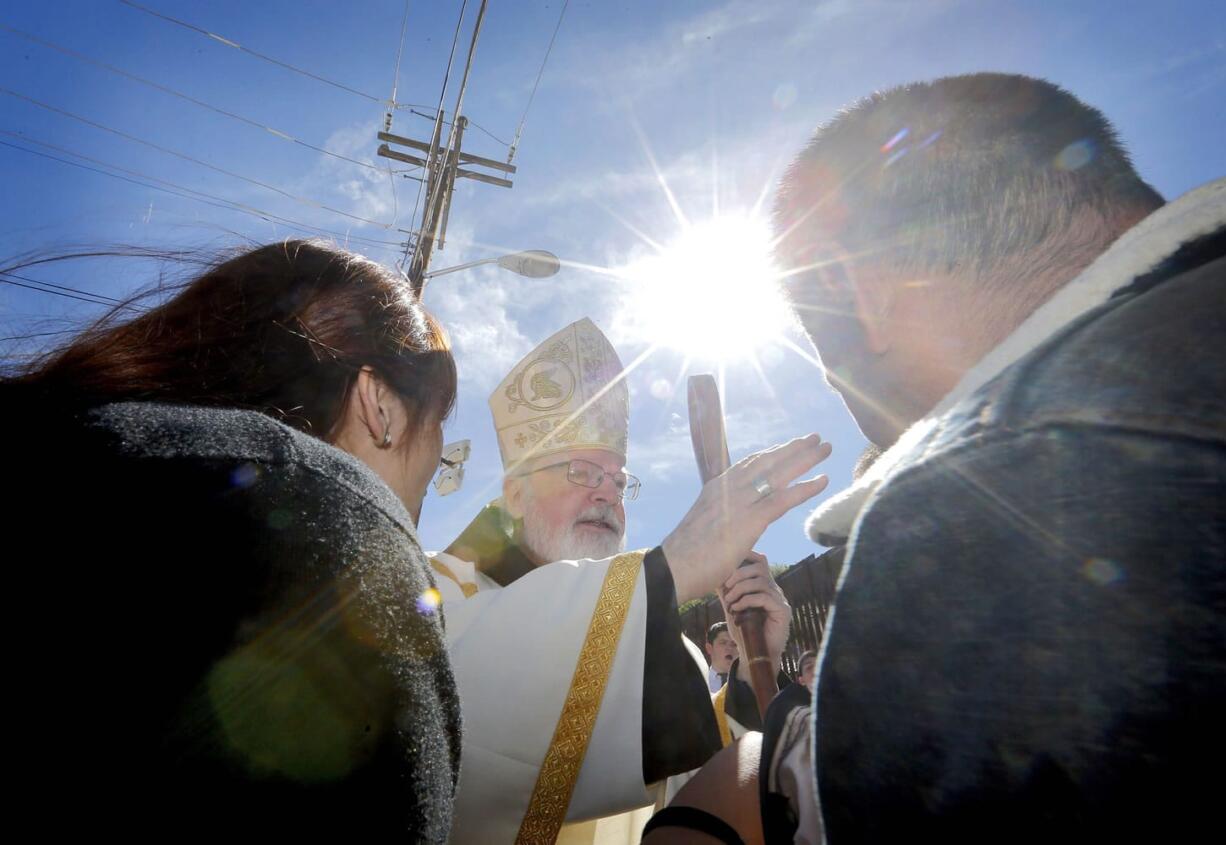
<point>1029,638</point>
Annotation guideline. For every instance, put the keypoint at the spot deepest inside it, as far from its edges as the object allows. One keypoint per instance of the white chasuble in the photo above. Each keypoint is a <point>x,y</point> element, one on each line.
<point>514,651</point>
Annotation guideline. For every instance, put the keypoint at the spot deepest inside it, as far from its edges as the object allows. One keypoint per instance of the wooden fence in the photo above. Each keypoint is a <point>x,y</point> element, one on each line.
<point>809,588</point>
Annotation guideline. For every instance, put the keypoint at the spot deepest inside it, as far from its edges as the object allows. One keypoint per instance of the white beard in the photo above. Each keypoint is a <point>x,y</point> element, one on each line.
<point>565,542</point>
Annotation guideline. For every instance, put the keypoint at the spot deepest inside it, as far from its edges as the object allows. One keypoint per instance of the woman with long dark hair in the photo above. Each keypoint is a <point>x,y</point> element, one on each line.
<point>221,620</point>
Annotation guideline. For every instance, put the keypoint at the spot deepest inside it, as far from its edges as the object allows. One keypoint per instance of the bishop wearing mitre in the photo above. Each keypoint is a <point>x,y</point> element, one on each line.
<point>579,693</point>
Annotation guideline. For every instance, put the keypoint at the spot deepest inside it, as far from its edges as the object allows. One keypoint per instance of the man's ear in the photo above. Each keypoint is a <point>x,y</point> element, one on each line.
<point>513,496</point>
<point>874,295</point>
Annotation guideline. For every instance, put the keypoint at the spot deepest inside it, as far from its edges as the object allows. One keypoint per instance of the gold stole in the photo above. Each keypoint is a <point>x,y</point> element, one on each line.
<point>555,784</point>
<point>468,588</point>
<point>718,701</point>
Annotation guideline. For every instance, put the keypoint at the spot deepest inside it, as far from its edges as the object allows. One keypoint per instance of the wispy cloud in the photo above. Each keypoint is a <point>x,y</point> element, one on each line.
<point>733,15</point>
<point>751,429</point>
<point>488,341</point>
<point>635,215</point>
<point>369,192</point>
<point>676,51</point>
<point>682,50</point>
<point>662,456</point>
<point>1192,71</point>
<point>818,21</point>
<point>358,190</point>
<point>616,184</point>
<point>670,451</point>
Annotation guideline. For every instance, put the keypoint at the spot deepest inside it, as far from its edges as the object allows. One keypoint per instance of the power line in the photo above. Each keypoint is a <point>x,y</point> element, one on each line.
<point>404,25</point>
<point>476,125</point>
<point>185,192</point>
<point>519,130</point>
<point>182,191</point>
<point>192,159</point>
<point>110,299</point>
<point>171,91</point>
<point>230,43</point>
<point>219,204</point>
<point>415,240</point>
<point>4,280</point>
<point>93,299</point>
<point>471,123</point>
<point>438,110</point>
<point>395,85</point>
<point>37,334</point>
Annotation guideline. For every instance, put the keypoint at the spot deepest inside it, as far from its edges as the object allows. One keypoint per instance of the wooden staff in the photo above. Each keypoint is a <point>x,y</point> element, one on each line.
<point>711,452</point>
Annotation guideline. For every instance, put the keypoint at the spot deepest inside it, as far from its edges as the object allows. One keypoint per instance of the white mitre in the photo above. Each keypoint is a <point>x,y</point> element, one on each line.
<point>568,393</point>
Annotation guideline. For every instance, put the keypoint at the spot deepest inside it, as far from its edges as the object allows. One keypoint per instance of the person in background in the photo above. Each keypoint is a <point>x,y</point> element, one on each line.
<point>721,650</point>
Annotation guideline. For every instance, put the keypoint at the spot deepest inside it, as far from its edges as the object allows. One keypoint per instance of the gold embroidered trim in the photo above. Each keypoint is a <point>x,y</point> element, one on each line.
<point>468,588</point>
<point>718,701</point>
<point>555,784</point>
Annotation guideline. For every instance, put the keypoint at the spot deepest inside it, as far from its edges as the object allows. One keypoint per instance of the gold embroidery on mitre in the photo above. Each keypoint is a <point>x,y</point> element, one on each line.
<point>555,783</point>
<point>568,393</point>
<point>550,380</point>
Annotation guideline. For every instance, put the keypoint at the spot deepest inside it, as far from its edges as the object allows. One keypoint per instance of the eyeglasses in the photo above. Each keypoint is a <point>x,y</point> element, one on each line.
<point>451,467</point>
<point>587,474</point>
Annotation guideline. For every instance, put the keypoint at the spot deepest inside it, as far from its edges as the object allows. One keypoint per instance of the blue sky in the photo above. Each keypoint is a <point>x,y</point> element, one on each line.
<point>708,98</point>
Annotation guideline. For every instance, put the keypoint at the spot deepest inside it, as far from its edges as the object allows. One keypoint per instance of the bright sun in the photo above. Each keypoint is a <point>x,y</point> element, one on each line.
<point>709,294</point>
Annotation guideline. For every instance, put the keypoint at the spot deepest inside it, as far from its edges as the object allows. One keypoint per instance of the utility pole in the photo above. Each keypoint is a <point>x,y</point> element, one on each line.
<point>442,163</point>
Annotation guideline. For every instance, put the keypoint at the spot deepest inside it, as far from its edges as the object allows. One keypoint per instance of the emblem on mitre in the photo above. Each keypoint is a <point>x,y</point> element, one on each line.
<point>566,394</point>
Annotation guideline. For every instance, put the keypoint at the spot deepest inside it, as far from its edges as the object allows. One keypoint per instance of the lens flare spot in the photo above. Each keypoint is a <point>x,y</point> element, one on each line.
<point>1076,155</point>
<point>895,156</point>
<point>896,140</point>
<point>784,96</point>
<point>429,601</point>
<point>1102,571</point>
<point>245,475</point>
<point>661,388</point>
<point>280,712</point>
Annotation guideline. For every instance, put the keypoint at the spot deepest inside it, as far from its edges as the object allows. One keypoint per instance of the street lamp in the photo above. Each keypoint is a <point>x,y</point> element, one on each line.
<point>533,263</point>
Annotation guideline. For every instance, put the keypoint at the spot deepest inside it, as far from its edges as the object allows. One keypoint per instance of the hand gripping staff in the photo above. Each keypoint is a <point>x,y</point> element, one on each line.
<point>711,452</point>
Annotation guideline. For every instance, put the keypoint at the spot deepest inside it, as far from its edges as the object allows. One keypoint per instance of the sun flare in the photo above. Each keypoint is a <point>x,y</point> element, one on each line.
<point>711,293</point>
